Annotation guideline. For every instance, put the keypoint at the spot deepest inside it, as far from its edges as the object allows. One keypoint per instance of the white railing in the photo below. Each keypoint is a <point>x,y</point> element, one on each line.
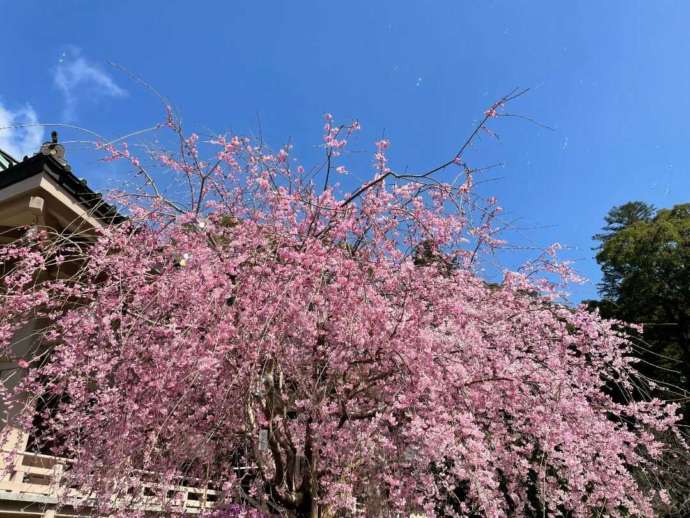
<point>33,474</point>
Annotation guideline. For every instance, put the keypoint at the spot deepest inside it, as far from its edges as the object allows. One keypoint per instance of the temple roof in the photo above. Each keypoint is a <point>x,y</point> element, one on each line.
<point>12,172</point>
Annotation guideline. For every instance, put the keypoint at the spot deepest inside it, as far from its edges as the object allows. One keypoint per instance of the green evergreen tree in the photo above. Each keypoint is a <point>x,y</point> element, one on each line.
<point>645,259</point>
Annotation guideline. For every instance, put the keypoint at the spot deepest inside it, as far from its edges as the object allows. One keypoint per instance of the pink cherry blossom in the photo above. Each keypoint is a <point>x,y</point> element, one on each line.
<point>307,348</point>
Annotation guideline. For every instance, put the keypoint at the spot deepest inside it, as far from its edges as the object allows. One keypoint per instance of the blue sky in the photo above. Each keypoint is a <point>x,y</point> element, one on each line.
<point>612,78</point>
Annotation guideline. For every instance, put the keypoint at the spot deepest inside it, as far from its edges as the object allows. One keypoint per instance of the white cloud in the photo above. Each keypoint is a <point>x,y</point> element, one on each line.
<point>20,132</point>
<point>78,78</point>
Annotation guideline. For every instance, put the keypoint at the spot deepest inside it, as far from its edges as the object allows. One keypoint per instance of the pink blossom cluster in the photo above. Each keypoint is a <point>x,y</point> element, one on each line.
<point>235,511</point>
<point>302,347</point>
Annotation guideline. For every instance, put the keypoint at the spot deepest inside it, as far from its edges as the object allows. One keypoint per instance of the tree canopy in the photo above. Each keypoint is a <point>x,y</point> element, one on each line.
<point>644,256</point>
<point>645,259</point>
<point>308,350</point>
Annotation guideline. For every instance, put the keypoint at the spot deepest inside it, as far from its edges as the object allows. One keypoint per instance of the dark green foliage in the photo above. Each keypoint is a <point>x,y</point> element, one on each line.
<point>645,259</point>
<point>644,255</point>
<point>618,219</point>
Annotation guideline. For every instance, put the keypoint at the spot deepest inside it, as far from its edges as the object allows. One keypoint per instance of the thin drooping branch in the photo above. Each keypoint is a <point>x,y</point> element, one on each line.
<point>457,158</point>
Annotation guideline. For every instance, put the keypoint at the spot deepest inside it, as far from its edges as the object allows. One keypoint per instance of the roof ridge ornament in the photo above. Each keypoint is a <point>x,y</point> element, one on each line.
<point>54,149</point>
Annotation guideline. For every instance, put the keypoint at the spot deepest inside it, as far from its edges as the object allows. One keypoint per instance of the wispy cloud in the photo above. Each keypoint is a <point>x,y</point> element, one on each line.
<point>79,79</point>
<point>20,133</point>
